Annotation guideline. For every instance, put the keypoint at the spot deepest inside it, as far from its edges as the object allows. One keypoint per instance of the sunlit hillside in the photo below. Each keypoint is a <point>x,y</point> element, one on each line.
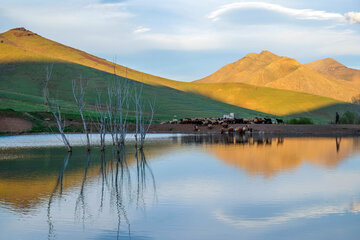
<point>269,70</point>
<point>333,69</point>
<point>24,55</point>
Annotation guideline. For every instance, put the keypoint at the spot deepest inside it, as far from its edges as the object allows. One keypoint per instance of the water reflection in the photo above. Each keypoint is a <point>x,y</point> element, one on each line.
<point>115,176</point>
<point>204,187</point>
<point>58,189</point>
<point>269,155</point>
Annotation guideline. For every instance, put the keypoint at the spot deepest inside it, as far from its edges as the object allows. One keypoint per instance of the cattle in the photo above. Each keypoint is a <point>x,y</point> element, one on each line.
<point>223,121</point>
<point>279,121</point>
<point>267,121</point>
<point>239,120</point>
<point>196,128</point>
<point>222,131</point>
<point>230,130</point>
<point>175,121</point>
<point>259,120</point>
<point>185,121</point>
<point>210,126</point>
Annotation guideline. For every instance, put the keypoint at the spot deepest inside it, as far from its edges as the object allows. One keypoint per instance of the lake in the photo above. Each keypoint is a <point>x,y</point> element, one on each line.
<point>182,187</point>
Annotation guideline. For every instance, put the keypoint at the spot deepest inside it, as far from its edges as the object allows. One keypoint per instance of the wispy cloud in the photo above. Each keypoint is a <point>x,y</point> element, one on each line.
<point>353,17</point>
<point>179,28</point>
<point>306,14</point>
<point>313,212</point>
<point>141,30</point>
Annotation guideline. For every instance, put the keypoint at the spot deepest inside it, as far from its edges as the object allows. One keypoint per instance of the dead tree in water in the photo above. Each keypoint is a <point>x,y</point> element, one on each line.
<point>118,110</point>
<point>55,110</point>
<point>79,94</point>
<point>142,121</point>
<point>101,122</point>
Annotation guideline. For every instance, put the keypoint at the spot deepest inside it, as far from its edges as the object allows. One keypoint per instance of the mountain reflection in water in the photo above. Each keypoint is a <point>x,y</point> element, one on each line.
<point>267,155</point>
<point>185,187</point>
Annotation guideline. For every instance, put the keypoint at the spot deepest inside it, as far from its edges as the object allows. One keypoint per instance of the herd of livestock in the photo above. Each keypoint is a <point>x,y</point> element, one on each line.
<point>225,123</point>
<point>220,121</point>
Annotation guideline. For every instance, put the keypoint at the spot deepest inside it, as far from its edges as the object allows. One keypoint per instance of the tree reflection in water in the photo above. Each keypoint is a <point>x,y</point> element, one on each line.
<point>115,174</point>
<point>80,206</point>
<point>142,167</point>
<point>58,187</point>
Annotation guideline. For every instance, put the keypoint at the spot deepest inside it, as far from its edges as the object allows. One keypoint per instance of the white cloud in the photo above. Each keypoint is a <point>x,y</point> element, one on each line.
<point>141,30</point>
<point>306,14</point>
<point>353,17</point>
<point>312,212</point>
<point>137,26</point>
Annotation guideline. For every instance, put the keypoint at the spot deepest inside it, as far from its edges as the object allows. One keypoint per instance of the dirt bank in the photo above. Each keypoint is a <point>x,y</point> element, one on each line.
<point>14,124</point>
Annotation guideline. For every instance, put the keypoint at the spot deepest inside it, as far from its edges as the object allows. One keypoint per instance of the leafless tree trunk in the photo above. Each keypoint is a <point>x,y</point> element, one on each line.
<point>55,110</point>
<point>79,94</point>
<point>101,122</point>
<point>110,114</point>
<point>142,121</point>
<point>118,109</point>
<point>137,100</point>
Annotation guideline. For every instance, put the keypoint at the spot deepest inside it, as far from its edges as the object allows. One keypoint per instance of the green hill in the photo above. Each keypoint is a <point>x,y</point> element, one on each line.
<point>21,89</point>
<point>24,56</point>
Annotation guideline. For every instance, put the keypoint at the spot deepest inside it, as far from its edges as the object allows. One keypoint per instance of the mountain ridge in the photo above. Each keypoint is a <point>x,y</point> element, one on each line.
<point>270,70</point>
<point>23,46</point>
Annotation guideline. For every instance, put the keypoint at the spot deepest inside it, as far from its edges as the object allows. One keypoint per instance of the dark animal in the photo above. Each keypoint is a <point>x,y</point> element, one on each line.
<point>279,121</point>
<point>267,121</point>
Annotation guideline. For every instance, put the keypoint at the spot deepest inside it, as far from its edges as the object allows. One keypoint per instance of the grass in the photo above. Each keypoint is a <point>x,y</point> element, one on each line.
<point>301,120</point>
<point>21,87</point>
<point>22,70</point>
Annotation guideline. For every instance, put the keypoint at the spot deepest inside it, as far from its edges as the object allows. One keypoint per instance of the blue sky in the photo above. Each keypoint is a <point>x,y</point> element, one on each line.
<point>186,39</point>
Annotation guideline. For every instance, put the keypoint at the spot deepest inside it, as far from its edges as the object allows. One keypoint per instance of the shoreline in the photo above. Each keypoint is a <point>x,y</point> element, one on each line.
<point>272,129</point>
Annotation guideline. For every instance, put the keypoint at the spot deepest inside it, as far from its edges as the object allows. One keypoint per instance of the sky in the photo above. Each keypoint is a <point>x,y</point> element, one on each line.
<point>189,39</point>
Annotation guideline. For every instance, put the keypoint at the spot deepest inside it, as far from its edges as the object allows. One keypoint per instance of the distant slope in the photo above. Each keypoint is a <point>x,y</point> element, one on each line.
<point>263,99</point>
<point>333,69</point>
<point>269,70</point>
<point>21,89</point>
<point>24,55</point>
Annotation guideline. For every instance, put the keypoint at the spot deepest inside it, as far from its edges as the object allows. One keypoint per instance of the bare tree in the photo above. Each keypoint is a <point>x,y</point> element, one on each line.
<point>143,120</point>
<point>55,110</point>
<point>101,122</point>
<point>110,114</point>
<point>118,106</point>
<point>78,90</point>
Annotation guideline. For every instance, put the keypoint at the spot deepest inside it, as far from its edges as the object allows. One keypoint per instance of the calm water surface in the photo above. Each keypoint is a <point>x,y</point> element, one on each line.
<point>183,187</point>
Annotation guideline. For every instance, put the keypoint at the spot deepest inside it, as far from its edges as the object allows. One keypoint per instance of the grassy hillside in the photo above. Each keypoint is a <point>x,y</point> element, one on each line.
<point>263,99</point>
<point>21,87</point>
<point>24,55</point>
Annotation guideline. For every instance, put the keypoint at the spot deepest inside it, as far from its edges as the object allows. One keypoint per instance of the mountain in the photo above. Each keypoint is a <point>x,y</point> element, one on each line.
<point>333,69</point>
<point>24,56</point>
<point>269,70</point>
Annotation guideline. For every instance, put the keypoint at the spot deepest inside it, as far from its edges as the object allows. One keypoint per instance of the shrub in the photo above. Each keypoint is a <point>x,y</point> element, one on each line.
<point>349,118</point>
<point>301,120</point>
